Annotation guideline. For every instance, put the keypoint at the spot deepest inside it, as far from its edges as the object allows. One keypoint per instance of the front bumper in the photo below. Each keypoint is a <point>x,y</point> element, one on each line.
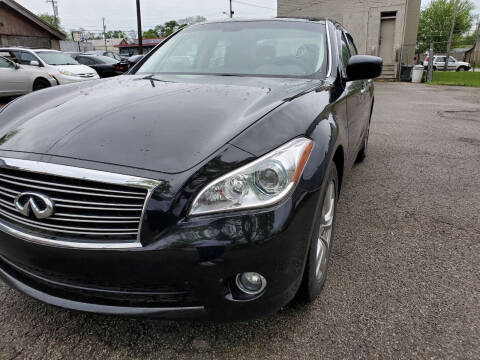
<point>186,272</point>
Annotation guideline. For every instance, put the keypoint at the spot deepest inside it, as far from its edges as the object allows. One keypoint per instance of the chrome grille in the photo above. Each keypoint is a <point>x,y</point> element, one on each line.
<point>85,209</point>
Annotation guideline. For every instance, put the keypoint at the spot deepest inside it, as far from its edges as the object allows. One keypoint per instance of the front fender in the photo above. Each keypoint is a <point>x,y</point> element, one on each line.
<point>311,115</point>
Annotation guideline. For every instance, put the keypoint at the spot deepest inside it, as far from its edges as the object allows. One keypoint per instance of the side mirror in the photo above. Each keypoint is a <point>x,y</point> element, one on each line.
<point>34,63</point>
<point>364,67</point>
<point>16,66</point>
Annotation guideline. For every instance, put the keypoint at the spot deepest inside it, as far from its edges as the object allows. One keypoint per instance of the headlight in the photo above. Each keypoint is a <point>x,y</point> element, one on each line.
<point>66,72</point>
<point>261,183</point>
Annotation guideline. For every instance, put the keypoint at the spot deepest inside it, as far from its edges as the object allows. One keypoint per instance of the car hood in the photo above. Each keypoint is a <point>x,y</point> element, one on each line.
<point>76,69</point>
<point>167,124</point>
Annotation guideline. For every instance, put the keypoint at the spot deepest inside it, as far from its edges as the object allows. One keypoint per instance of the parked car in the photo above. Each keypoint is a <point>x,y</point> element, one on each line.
<point>63,68</point>
<point>18,80</point>
<point>134,59</point>
<point>453,64</point>
<point>103,65</point>
<point>202,188</point>
<point>109,54</point>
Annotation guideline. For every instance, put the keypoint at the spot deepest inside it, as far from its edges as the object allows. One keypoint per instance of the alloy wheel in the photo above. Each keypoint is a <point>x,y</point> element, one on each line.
<point>325,232</point>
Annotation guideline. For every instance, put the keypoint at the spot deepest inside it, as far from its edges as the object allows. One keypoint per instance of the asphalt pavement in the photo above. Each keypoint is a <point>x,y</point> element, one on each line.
<point>404,279</point>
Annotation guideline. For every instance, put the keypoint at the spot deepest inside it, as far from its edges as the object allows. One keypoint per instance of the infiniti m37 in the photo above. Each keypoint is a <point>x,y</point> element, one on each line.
<point>202,184</point>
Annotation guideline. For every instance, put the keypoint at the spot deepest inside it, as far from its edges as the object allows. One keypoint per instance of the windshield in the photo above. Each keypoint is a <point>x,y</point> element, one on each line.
<point>248,48</point>
<point>56,58</point>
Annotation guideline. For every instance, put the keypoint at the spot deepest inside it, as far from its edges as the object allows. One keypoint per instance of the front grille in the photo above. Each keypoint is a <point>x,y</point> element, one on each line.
<point>84,209</point>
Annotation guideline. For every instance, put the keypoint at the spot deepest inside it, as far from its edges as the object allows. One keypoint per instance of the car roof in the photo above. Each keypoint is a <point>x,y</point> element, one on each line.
<point>280,19</point>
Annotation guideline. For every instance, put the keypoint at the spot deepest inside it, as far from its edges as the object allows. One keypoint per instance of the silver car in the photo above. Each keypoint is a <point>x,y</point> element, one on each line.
<point>16,79</point>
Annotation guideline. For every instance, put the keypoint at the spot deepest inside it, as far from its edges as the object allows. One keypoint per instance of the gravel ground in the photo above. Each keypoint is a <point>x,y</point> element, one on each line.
<point>403,280</point>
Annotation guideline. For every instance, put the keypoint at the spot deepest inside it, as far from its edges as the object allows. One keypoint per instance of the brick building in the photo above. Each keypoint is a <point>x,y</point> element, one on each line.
<point>20,27</point>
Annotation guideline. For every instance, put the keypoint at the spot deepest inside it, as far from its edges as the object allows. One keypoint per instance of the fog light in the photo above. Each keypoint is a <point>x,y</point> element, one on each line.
<point>250,283</point>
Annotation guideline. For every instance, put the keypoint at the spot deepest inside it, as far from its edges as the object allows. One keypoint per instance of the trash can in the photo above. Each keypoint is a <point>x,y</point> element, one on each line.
<point>417,73</point>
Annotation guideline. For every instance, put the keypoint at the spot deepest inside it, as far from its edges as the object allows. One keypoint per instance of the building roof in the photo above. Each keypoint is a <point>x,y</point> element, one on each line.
<point>33,18</point>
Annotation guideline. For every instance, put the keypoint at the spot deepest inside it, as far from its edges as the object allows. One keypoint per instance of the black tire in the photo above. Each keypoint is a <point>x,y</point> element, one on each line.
<point>462,68</point>
<point>313,284</point>
<point>40,84</point>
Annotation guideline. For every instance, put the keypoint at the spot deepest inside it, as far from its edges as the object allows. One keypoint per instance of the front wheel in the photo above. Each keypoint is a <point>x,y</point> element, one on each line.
<point>322,236</point>
<point>40,84</point>
<point>462,68</point>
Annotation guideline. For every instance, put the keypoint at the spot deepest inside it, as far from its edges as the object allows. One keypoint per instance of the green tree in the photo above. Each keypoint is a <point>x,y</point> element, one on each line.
<point>115,34</point>
<point>190,20</point>
<point>435,23</point>
<point>168,28</point>
<point>150,33</point>
<point>52,21</point>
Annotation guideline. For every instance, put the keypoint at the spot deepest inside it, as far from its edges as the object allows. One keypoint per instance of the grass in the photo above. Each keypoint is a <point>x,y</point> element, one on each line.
<point>456,78</point>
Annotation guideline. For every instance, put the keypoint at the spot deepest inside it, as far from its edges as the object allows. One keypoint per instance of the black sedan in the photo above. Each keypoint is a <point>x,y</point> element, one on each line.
<point>104,65</point>
<point>203,184</point>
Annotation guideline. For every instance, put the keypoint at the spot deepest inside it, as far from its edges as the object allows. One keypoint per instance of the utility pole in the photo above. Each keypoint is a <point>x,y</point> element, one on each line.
<point>231,10</point>
<point>104,33</point>
<point>449,44</point>
<point>139,25</point>
<point>55,10</point>
<point>477,48</point>
<point>430,63</point>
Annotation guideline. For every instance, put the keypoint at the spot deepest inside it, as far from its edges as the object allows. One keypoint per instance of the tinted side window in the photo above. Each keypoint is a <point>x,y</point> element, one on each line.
<point>85,61</point>
<point>343,48</point>
<point>351,45</point>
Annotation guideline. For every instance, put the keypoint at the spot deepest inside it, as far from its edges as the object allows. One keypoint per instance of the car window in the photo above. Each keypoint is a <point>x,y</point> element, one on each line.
<point>56,58</point>
<point>85,61</point>
<point>250,48</point>
<point>440,59</point>
<point>351,45</point>
<point>4,63</point>
<point>343,48</point>
<point>452,59</point>
<point>105,60</point>
<point>24,58</point>
<point>8,55</point>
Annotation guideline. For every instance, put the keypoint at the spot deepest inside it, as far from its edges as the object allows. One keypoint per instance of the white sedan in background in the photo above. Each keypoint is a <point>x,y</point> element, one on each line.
<point>19,80</point>
<point>56,63</point>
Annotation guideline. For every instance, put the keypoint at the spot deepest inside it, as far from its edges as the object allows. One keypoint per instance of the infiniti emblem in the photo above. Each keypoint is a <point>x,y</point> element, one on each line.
<point>40,205</point>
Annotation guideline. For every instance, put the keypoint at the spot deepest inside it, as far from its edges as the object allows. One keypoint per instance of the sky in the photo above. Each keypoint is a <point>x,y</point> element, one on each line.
<point>121,14</point>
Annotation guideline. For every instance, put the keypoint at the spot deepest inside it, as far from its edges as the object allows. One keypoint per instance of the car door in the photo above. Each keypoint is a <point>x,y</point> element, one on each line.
<point>354,95</point>
<point>452,63</point>
<point>14,81</point>
<point>440,62</point>
<point>364,105</point>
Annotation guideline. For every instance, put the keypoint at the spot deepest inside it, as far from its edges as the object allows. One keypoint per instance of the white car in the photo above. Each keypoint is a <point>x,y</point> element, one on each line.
<point>61,66</point>
<point>19,80</point>
<point>453,64</point>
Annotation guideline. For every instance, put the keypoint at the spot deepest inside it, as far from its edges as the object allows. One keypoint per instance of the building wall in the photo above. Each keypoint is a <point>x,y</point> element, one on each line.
<point>18,31</point>
<point>362,20</point>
